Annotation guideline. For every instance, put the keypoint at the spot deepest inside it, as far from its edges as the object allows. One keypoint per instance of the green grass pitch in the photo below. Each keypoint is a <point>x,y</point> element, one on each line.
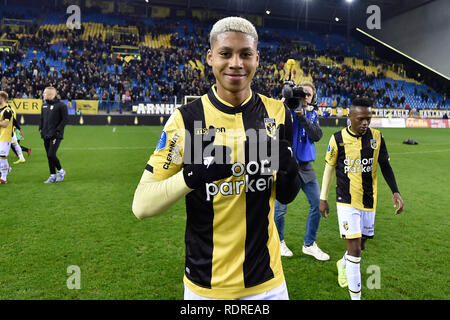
<point>87,221</point>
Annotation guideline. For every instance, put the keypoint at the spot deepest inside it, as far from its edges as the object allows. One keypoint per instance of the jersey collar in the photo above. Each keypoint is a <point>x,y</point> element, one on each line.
<point>225,106</point>
<point>350,132</point>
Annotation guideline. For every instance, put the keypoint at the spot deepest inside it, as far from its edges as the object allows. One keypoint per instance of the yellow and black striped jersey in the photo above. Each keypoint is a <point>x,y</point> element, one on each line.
<point>6,113</point>
<point>356,160</point>
<point>232,245</point>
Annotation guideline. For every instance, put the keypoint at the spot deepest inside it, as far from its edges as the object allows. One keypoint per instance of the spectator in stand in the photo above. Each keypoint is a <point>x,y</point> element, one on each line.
<point>89,67</point>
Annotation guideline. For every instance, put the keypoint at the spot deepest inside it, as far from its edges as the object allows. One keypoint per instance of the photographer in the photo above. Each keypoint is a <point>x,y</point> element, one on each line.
<point>306,130</point>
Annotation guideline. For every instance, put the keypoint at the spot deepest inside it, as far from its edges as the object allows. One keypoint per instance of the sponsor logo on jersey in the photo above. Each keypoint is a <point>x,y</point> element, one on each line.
<point>174,150</point>
<point>247,181</point>
<point>358,165</point>
<point>203,131</point>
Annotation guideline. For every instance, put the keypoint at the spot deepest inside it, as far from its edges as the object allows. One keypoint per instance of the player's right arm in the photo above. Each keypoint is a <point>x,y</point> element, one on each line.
<point>4,123</point>
<point>154,197</point>
<point>162,184</point>
<point>328,174</point>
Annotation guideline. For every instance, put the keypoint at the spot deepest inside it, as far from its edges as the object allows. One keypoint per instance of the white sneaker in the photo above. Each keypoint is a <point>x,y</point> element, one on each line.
<point>60,175</point>
<point>314,250</point>
<point>51,179</point>
<point>285,252</point>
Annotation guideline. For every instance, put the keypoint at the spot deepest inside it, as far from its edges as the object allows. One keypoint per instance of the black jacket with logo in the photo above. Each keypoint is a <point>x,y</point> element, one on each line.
<point>53,119</point>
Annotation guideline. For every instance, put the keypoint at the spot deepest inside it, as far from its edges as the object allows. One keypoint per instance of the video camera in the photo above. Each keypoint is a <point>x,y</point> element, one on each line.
<point>293,95</point>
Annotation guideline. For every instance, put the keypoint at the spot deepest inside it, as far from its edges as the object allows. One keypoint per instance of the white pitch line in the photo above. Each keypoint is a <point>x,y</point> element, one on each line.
<point>150,148</point>
<point>416,152</point>
<point>105,148</point>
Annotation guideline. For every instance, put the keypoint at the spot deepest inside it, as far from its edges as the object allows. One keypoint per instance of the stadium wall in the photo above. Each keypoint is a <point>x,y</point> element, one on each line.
<point>145,108</point>
<point>160,120</point>
<point>135,120</point>
<point>33,106</point>
<point>101,120</point>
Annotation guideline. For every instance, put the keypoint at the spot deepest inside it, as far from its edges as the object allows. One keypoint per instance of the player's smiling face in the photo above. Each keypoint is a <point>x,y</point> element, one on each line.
<point>360,119</point>
<point>234,59</point>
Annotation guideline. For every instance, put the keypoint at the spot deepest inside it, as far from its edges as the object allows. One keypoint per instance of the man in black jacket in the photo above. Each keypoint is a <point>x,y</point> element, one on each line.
<point>51,127</point>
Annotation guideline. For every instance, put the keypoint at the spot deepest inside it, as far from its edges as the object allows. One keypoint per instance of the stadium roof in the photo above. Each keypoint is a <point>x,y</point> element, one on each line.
<point>317,11</point>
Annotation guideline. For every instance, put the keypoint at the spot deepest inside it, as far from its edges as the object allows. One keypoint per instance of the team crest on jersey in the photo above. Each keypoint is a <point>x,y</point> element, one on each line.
<point>373,143</point>
<point>271,127</point>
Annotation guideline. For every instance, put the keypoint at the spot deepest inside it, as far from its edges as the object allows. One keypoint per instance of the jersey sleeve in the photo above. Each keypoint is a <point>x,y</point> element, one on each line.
<point>167,159</point>
<point>288,131</point>
<point>332,152</point>
<point>16,123</point>
<point>383,155</point>
<point>7,115</point>
<point>153,197</point>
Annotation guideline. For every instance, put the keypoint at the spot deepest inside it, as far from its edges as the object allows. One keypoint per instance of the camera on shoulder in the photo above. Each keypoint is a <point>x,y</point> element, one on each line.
<point>293,95</point>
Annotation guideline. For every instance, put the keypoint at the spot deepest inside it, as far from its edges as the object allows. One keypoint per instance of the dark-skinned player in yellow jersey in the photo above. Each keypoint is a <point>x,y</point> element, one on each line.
<point>354,153</point>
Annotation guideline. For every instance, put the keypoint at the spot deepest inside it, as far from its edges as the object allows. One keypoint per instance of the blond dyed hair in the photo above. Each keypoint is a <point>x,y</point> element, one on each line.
<point>4,95</point>
<point>232,24</point>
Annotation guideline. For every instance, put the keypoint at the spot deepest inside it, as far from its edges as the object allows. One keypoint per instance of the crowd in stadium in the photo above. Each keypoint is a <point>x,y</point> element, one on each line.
<point>89,69</point>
